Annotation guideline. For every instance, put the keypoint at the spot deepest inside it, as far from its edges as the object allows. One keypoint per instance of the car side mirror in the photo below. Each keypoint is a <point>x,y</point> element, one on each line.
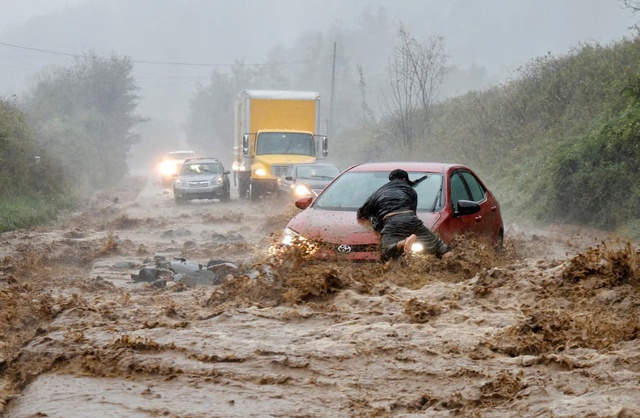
<point>289,178</point>
<point>303,203</point>
<point>466,207</point>
<point>245,145</point>
<point>324,145</point>
<point>226,173</point>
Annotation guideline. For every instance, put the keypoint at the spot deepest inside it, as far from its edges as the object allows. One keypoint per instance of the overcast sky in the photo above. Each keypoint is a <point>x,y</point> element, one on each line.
<point>480,31</point>
<point>497,35</point>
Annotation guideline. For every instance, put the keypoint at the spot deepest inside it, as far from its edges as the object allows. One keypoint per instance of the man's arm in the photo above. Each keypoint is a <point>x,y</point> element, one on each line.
<point>365,210</point>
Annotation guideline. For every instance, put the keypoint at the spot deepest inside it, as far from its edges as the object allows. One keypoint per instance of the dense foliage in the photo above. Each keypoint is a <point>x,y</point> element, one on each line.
<point>69,138</point>
<point>84,115</point>
<point>32,190</point>
<point>558,143</point>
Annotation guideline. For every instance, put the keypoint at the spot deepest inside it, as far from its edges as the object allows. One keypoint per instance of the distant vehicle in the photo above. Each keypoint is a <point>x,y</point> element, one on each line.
<point>452,201</point>
<point>201,178</point>
<point>273,130</point>
<point>171,164</point>
<point>303,180</point>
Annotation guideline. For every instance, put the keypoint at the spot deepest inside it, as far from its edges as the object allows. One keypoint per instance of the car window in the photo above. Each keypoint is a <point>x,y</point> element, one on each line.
<point>350,190</point>
<point>201,168</point>
<point>477,191</point>
<point>317,172</point>
<point>458,190</point>
<point>304,172</point>
<point>429,191</point>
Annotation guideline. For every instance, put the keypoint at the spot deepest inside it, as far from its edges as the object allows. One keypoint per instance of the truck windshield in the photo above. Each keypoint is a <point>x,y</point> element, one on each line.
<point>285,143</point>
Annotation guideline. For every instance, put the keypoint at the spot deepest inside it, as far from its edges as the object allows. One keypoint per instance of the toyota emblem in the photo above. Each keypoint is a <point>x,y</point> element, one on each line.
<point>344,249</point>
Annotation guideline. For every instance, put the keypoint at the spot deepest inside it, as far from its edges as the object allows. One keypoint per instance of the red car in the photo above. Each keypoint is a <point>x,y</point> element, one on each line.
<point>452,201</point>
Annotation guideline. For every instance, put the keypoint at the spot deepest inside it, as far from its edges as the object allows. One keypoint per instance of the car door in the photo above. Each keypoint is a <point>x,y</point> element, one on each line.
<point>463,185</point>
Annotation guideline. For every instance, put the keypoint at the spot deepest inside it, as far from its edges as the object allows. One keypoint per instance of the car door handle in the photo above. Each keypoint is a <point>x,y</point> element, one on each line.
<point>494,208</point>
<point>478,218</point>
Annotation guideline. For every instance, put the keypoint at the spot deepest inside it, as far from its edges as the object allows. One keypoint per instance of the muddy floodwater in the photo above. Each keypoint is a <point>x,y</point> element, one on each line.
<point>549,328</point>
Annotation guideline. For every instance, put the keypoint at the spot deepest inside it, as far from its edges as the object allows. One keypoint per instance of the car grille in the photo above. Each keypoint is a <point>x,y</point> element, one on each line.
<point>279,170</point>
<point>197,184</point>
<point>368,248</point>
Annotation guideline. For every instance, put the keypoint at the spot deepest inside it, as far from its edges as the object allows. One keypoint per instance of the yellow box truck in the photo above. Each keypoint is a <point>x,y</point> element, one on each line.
<point>273,130</point>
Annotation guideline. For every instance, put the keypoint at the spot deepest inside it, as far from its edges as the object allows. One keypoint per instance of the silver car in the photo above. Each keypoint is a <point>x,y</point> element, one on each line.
<point>201,178</point>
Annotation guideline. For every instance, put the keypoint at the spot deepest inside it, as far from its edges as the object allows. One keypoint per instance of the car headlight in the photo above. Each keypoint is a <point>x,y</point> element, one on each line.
<point>178,182</point>
<point>260,172</point>
<point>218,180</point>
<point>301,190</point>
<point>289,236</point>
<point>417,247</point>
<point>168,168</point>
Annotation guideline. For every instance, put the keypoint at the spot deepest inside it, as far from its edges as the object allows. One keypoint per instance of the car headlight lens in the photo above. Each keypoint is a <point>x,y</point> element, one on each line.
<point>291,240</point>
<point>178,182</point>
<point>218,180</point>
<point>417,247</point>
<point>260,172</point>
<point>289,236</point>
<point>168,168</point>
<point>301,190</point>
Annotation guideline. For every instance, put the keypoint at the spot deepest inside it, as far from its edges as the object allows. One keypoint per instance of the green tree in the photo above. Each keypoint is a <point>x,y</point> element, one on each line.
<point>85,115</point>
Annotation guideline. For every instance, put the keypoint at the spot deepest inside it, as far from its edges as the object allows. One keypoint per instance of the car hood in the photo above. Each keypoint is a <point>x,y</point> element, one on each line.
<point>342,227</point>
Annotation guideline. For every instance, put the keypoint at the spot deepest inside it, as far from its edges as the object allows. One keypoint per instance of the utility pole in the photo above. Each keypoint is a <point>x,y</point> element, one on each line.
<point>333,82</point>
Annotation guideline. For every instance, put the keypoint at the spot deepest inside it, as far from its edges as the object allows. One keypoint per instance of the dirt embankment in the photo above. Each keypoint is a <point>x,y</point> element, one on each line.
<point>549,328</point>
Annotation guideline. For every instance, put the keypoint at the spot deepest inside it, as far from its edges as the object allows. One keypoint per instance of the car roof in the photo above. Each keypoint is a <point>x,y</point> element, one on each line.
<point>433,167</point>
<point>182,152</point>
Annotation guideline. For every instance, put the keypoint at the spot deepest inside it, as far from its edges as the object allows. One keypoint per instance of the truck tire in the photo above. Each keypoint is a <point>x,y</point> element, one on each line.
<point>254,192</point>
<point>243,189</point>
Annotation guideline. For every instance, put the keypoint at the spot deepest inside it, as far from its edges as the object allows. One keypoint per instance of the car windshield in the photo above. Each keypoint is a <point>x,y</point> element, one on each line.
<point>351,190</point>
<point>285,143</point>
<point>317,172</point>
<point>200,168</point>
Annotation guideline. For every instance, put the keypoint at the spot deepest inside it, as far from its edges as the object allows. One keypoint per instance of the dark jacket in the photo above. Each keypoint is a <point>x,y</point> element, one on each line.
<point>395,196</point>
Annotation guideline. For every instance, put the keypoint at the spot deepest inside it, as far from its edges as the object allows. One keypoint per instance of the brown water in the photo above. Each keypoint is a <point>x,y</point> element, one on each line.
<point>549,328</point>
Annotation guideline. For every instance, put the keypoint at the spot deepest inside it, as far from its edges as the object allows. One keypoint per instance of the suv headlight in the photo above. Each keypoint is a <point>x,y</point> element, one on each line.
<point>260,172</point>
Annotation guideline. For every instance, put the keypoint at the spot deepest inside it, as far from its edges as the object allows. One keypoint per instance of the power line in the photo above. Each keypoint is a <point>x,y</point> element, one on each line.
<point>173,63</point>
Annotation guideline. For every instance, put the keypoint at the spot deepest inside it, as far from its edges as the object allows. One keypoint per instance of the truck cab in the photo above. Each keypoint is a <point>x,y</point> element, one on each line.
<point>274,130</point>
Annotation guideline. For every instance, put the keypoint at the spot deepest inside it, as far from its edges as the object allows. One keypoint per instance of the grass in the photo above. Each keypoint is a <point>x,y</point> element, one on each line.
<point>27,211</point>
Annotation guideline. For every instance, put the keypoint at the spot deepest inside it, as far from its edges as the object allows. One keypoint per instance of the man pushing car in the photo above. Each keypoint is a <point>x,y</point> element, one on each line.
<point>392,212</point>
